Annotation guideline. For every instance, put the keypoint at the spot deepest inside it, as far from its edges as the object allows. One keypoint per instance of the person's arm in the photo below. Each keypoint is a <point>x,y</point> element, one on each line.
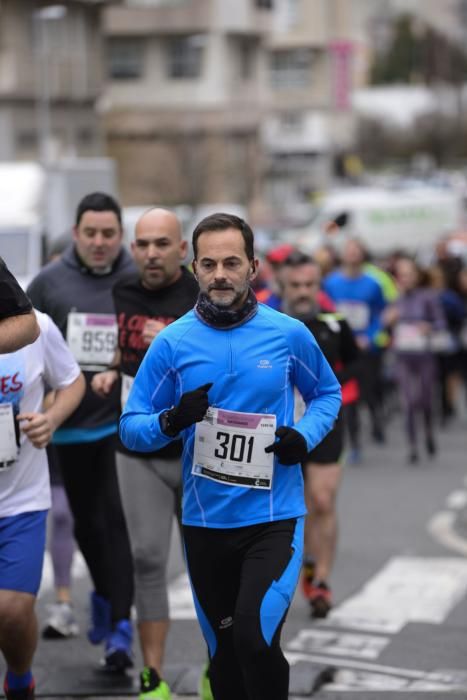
<point>18,323</point>
<point>102,383</point>
<point>318,386</point>
<point>316,382</point>
<point>39,427</point>
<point>18,331</point>
<point>152,393</point>
<point>62,374</point>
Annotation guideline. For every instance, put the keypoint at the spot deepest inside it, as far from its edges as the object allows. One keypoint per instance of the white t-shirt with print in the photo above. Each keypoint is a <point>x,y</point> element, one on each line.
<point>24,481</point>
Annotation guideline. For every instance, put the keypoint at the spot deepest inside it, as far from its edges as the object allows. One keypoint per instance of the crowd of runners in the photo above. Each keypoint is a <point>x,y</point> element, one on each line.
<point>218,388</point>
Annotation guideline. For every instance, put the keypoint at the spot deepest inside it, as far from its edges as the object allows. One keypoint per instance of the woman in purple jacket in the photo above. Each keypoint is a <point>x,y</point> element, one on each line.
<point>418,326</point>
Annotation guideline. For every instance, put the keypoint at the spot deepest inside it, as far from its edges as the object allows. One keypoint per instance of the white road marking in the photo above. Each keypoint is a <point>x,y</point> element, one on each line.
<point>347,680</point>
<point>407,589</point>
<point>181,604</point>
<point>338,643</point>
<point>441,528</point>
<point>446,679</point>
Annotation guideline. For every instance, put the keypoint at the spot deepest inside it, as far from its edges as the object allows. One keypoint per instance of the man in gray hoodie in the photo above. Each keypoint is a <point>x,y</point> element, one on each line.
<point>75,291</point>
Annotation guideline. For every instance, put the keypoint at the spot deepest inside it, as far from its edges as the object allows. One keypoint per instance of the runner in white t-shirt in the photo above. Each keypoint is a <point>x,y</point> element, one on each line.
<point>25,430</point>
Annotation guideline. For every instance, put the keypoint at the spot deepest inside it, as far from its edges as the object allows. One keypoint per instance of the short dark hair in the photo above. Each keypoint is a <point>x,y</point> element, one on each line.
<point>221,222</point>
<point>98,201</point>
<point>297,258</point>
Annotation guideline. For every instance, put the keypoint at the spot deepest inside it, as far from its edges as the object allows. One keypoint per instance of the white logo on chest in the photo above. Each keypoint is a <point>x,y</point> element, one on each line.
<point>264,364</point>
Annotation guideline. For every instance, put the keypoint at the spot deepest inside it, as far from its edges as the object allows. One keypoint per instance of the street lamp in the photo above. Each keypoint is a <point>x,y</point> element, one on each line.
<point>41,19</point>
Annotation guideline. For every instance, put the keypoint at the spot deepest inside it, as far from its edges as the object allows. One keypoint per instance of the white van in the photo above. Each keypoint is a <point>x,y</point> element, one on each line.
<point>383,219</point>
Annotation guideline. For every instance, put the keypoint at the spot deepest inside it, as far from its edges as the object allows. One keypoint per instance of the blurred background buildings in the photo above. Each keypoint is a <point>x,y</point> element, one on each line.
<point>262,103</point>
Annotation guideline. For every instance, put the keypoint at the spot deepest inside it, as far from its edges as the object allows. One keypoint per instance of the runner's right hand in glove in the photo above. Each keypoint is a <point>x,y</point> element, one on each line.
<point>190,409</point>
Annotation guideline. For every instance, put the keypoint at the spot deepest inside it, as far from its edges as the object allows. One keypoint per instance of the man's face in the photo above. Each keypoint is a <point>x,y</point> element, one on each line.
<point>300,288</point>
<point>98,239</point>
<point>223,269</point>
<point>352,253</point>
<point>158,249</point>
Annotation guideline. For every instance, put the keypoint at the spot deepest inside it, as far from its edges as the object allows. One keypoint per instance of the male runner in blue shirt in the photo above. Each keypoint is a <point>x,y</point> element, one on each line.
<point>222,377</point>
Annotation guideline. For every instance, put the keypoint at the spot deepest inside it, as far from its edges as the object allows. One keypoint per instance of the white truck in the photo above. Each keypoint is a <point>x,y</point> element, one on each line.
<point>38,206</point>
<point>411,219</point>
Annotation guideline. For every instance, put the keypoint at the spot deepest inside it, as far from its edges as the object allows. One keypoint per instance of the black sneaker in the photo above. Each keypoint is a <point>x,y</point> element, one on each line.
<point>22,694</point>
<point>431,447</point>
<point>118,652</point>
<point>320,599</point>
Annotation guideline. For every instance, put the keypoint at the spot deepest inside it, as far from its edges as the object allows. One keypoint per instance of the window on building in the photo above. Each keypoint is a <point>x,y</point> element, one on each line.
<point>85,136</point>
<point>291,68</point>
<point>125,58</point>
<point>184,56</point>
<point>247,58</point>
<point>26,141</point>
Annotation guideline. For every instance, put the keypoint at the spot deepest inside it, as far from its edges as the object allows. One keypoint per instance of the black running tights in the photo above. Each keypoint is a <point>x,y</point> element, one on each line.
<point>90,479</point>
<point>243,580</point>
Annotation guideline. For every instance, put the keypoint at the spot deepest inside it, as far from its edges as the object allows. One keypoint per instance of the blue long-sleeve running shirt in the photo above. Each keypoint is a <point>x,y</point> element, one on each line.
<point>254,368</point>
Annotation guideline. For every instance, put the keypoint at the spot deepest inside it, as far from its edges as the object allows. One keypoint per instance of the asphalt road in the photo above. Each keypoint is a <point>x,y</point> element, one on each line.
<point>399,626</point>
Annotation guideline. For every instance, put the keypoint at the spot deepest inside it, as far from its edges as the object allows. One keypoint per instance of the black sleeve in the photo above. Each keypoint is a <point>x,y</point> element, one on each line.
<point>13,301</point>
<point>350,354</point>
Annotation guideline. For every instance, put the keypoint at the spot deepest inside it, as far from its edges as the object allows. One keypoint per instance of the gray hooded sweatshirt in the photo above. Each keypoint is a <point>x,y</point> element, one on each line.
<point>66,285</point>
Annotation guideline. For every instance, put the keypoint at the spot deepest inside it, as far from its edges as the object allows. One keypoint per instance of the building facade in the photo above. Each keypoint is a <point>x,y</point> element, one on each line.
<point>220,101</point>
<point>51,74</point>
<point>185,98</point>
<point>317,55</point>
<point>245,101</point>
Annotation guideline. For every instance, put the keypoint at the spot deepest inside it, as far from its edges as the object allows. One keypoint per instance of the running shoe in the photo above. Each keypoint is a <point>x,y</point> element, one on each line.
<point>21,694</point>
<point>308,575</point>
<point>320,599</point>
<point>152,687</point>
<point>431,447</point>
<point>101,619</point>
<point>61,623</point>
<point>118,654</point>
<point>205,692</point>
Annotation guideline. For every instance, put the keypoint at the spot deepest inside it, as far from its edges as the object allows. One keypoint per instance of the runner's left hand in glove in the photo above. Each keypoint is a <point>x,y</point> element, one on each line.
<point>290,448</point>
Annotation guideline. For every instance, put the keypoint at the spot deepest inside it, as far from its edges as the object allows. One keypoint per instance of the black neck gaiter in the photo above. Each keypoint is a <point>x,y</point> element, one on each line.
<point>217,317</point>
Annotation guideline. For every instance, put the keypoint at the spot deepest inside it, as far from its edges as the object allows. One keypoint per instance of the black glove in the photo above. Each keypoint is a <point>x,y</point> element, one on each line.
<point>190,409</point>
<point>291,447</point>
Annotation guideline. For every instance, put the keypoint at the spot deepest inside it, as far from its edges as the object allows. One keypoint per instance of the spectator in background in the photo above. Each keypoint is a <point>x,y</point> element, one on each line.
<point>327,258</point>
<point>271,294</point>
<point>76,290</point>
<point>461,286</point>
<point>414,318</point>
<point>447,352</point>
<point>157,294</point>
<point>322,468</point>
<point>360,299</point>
<point>447,261</point>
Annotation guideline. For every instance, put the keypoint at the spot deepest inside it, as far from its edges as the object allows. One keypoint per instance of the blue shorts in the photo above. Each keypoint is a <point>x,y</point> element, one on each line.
<point>22,547</point>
